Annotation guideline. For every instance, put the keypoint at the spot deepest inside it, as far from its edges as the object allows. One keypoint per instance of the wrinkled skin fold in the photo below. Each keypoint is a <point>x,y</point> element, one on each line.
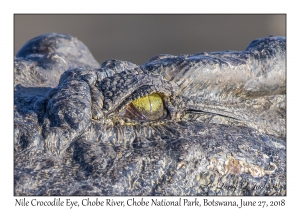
<point>223,131</point>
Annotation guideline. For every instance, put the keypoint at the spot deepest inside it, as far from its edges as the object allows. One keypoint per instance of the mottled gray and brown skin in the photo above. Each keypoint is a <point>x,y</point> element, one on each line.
<point>224,132</point>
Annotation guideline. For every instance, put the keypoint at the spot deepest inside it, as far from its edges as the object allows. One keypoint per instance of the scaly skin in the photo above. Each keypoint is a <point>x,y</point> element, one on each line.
<point>223,132</point>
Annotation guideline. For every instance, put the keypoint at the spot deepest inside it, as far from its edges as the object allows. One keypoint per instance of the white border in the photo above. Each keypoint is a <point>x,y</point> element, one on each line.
<point>154,6</point>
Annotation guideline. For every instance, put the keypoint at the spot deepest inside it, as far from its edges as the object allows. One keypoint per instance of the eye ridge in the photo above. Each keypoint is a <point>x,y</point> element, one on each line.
<point>146,108</point>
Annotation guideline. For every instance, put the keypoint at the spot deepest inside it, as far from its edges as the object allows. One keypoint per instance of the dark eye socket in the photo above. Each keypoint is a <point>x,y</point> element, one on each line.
<point>147,108</point>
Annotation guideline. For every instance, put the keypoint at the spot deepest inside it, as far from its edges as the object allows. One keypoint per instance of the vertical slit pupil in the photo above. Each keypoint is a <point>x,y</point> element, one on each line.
<point>146,108</point>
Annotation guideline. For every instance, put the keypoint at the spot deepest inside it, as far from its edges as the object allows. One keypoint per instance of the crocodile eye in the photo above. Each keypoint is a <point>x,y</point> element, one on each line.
<point>150,107</point>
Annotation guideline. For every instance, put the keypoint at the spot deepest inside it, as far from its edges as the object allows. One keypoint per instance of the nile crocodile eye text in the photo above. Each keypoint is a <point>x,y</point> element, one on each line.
<point>150,107</point>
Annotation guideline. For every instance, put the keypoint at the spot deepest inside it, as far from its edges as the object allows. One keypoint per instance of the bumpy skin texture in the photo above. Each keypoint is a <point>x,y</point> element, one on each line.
<point>223,134</point>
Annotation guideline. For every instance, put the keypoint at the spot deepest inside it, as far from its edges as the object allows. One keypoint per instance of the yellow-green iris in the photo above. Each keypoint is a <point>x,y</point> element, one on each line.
<point>150,107</point>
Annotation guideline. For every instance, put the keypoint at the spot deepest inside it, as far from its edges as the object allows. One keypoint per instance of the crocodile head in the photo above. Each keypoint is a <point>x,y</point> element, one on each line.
<point>201,124</point>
